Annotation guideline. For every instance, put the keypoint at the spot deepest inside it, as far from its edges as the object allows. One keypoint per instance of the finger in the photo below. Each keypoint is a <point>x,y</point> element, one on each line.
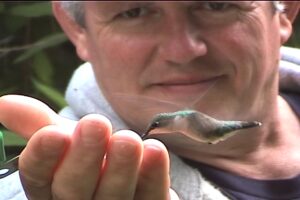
<point>119,176</point>
<point>25,115</point>
<point>39,160</point>
<point>154,182</point>
<point>77,176</point>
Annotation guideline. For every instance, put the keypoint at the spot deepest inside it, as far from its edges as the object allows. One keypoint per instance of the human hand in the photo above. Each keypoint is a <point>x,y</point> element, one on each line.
<point>83,160</point>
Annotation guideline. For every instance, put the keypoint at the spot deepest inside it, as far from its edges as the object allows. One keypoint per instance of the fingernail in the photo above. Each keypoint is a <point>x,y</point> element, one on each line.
<point>153,152</point>
<point>91,133</point>
<point>123,148</point>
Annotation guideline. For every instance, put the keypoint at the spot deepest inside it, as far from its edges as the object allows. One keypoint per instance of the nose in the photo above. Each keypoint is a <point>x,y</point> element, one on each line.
<point>182,41</point>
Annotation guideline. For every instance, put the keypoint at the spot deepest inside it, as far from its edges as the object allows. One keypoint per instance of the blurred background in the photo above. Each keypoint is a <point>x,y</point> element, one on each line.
<point>37,60</point>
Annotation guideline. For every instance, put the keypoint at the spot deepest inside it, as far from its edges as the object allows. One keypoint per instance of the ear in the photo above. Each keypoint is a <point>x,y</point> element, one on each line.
<point>285,25</point>
<point>292,9</point>
<point>73,30</point>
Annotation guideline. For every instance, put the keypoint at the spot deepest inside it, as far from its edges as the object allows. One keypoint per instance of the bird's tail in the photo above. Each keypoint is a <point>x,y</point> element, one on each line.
<point>245,124</point>
<point>229,126</point>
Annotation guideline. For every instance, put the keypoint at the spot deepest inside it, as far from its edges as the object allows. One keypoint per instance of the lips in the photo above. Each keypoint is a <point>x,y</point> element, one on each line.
<point>178,82</point>
<point>188,84</point>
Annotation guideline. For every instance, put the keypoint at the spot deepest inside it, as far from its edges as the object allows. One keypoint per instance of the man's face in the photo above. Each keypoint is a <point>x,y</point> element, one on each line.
<point>219,58</point>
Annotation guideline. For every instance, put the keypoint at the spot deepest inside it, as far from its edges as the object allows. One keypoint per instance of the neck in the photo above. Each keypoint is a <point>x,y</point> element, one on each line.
<point>260,153</point>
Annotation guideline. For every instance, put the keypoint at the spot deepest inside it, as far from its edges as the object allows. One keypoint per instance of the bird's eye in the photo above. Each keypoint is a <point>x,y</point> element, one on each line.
<point>156,124</point>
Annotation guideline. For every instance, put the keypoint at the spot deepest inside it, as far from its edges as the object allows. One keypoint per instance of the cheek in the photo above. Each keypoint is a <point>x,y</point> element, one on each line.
<point>248,56</point>
<point>124,53</point>
<point>122,58</point>
<point>249,52</point>
<point>236,57</point>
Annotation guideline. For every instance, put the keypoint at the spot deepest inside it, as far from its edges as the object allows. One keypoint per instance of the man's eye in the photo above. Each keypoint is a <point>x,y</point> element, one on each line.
<point>216,6</point>
<point>133,13</point>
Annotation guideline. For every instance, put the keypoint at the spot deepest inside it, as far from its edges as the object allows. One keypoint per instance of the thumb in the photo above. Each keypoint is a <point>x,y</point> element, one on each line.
<point>25,115</point>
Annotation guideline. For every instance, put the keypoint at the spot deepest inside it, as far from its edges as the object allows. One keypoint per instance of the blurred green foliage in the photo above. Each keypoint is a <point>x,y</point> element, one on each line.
<point>36,59</point>
<point>294,41</point>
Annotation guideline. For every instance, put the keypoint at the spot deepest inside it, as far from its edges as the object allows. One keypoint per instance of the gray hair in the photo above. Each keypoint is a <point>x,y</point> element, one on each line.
<point>76,9</point>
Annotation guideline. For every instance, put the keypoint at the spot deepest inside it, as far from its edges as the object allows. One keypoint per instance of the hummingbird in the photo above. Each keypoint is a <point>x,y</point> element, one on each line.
<point>196,125</point>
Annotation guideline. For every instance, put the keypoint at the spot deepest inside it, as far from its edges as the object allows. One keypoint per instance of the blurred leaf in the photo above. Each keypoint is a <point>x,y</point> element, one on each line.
<point>1,7</point>
<point>51,93</point>
<point>13,23</point>
<point>8,90</point>
<point>32,10</point>
<point>48,41</point>
<point>6,40</point>
<point>43,69</point>
<point>12,139</point>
